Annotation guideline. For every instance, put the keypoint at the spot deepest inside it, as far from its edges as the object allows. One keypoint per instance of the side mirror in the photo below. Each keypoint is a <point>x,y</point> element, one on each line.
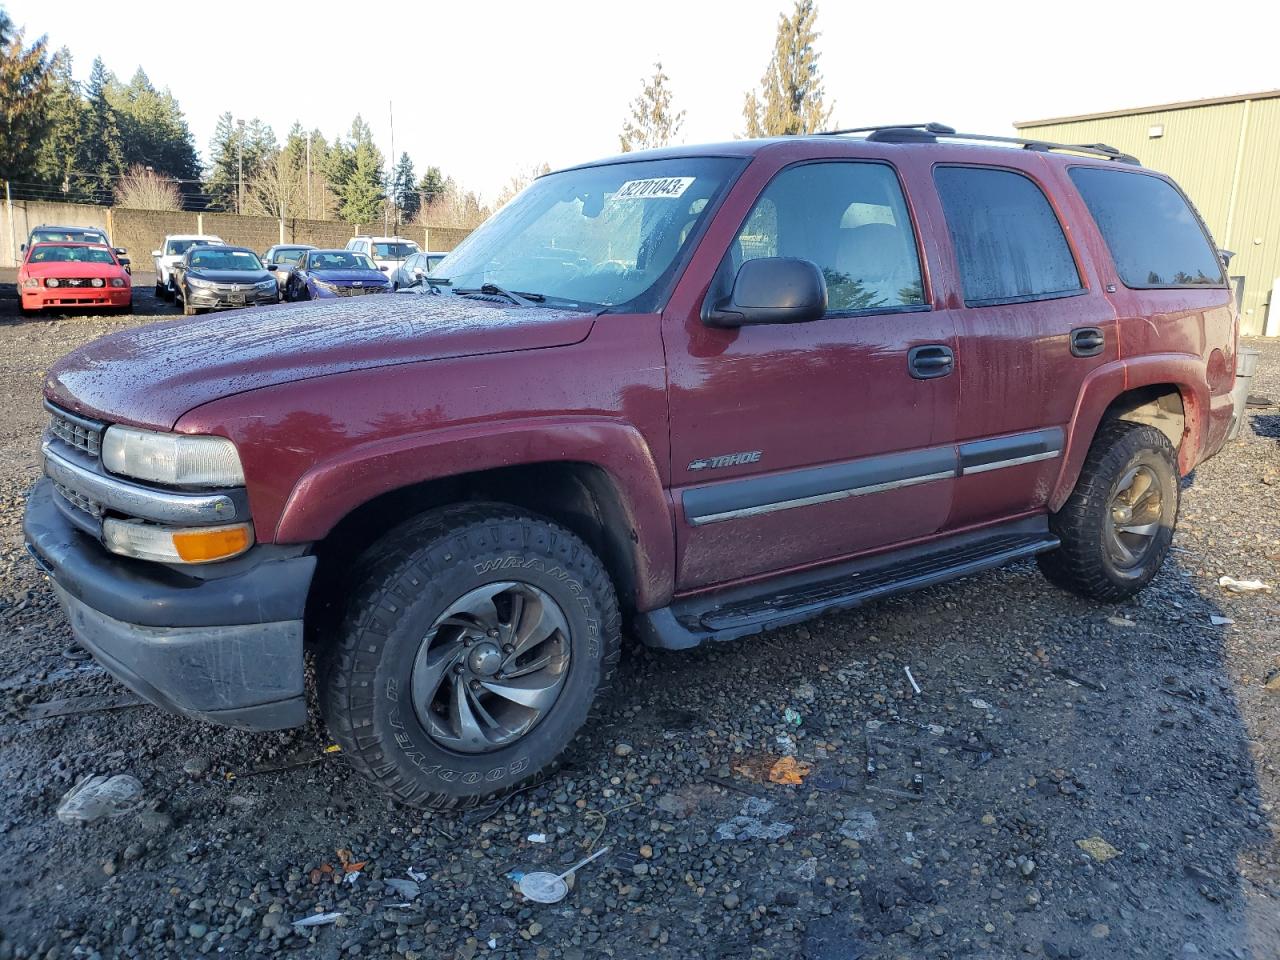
<point>121,251</point>
<point>418,273</point>
<point>771,290</point>
<point>23,248</point>
<point>1226,256</point>
<point>156,253</point>
<point>384,269</point>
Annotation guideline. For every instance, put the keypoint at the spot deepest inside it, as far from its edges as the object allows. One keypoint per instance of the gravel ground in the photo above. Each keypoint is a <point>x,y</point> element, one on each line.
<point>1146,731</point>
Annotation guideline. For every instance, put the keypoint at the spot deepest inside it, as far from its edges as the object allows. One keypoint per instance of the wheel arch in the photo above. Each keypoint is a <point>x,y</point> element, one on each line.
<point>1167,392</point>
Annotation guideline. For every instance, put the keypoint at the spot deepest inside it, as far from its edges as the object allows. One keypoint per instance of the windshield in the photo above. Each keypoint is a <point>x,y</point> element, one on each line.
<point>602,235</point>
<point>46,253</point>
<point>220,258</point>
<point>180,247</point>
<point>69,236</point>
<point>339,260</point>
<point>395,251</point>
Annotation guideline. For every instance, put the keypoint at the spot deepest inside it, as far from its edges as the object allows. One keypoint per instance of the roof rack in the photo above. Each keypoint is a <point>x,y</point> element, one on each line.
<point>930,132</point>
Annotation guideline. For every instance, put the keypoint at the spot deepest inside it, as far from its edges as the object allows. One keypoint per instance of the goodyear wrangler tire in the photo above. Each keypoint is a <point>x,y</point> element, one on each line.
<point>1116,527</point>
<point>476,642</point>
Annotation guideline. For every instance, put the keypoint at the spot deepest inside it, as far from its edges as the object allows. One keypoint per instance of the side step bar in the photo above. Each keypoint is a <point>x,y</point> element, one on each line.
<point>741,611</point>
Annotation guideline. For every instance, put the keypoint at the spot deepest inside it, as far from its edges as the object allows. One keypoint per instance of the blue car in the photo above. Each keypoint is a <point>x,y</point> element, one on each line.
<point>320,274</point>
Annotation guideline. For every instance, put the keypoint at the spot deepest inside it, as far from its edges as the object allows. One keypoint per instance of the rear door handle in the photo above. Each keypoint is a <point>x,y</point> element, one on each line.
<point>930,361</point>
<point>1087,342</point>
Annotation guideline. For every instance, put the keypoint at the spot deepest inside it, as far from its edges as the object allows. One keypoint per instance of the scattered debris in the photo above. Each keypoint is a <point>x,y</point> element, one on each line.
<point>1233,585</point>
<point>537,838</point>
<point>73,706</point>
<point>1218,621</point>
<point>748,825</point>
<point>895,766</point>
<point>333,748</point>
<point>786,744</point>
<point>350,866</point>
<point>859,825</point>
<point>978,704</point>
<point>541,887</point>
<point>792,717</point>
<point>1116,621</point>
<point>408,889</point>
<point>789,770</point>
<point>1098,849</point>
<point>914,686</point>
<point>98,797</point>
<point>317,920</point>
<point>418,875</point>
<point>1078,681</point>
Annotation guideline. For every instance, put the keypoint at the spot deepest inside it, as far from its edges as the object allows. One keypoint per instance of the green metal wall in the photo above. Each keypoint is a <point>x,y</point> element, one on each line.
<point>1227,158</point>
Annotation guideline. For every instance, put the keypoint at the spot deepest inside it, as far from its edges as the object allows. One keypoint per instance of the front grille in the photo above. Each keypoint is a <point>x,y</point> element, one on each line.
<point>81,433</point>
<point>357,291</point>
<point>79,501</point>
<point>74,282</point>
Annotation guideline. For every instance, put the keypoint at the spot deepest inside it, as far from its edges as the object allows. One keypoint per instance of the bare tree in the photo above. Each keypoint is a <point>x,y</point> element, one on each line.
<point>518,182</point>
<point>653,123</point>
<point>791,95</point>
<point>141,188</point>
<point>452,206</point>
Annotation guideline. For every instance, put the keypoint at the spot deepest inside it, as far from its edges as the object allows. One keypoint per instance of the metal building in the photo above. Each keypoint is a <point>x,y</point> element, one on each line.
<point>1225,153</point>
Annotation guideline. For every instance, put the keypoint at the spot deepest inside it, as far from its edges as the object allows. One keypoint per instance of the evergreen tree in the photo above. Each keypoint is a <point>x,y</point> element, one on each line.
<point>25,82</point>
<point>404,188</point>
<point>653,123</point>
<point>238,153</point>
<point>154,130</point>
<point>355,170</point>
<point>432,186</point>
<point>791,95</point>
<point>59,150</point>
<point>101,160</point>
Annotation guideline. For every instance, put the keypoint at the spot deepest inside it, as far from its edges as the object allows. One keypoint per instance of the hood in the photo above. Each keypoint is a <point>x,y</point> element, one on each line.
<point>81,269</point>
<point>347,276</point>
<point>150,376</point>
<point>232,276</point>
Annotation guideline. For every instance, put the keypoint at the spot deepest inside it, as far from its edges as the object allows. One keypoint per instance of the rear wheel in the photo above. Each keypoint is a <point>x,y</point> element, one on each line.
<point>475,645</point>
<point>1117,525</point>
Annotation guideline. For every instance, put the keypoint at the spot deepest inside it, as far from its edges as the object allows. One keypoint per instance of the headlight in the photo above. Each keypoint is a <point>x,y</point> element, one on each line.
<point>149,541</point>
<point>197,282</point>
<point>324,286</point>
<point>97,282</point>
<point>51,282</point>
<point>31,282</point>
<point>268,285</point>
<point>117,281</point>
<point>173,458</point>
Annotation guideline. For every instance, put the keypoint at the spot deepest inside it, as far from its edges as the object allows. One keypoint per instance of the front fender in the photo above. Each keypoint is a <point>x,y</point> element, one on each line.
<point>332,489</point>
<point>1104,384</point>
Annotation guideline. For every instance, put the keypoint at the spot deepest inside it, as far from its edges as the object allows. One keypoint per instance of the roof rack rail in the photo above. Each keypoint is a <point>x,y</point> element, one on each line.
<point>930,132</point>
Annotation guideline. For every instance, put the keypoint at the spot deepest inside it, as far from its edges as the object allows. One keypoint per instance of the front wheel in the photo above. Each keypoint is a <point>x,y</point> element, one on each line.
<point>1117,525</point>
<point>476,642</point>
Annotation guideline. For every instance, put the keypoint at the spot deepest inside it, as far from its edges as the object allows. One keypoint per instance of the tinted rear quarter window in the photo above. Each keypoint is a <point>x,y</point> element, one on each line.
<point>1008,242</point>
<point>1153,235</point>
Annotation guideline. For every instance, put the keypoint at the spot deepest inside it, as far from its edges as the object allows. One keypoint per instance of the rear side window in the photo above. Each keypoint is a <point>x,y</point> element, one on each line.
<point>1153,236</point>
<point>1008,241</point>
<point>849,218</point>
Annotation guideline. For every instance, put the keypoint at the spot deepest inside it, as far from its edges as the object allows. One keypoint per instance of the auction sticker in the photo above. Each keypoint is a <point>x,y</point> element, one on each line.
<point>659,187</point>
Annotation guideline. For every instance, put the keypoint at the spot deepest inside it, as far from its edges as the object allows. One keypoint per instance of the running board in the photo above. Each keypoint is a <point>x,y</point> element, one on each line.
<point>782,601</point>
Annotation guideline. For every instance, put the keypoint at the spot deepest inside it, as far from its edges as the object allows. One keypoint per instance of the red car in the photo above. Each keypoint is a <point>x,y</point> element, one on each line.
<point>73,275</point>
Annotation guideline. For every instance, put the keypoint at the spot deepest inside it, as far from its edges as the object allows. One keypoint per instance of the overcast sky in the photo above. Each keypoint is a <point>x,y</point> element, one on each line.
<point>484,88</point>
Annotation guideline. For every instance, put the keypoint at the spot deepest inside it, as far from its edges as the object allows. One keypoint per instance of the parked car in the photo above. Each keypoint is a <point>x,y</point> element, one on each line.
<point>387,253</point>
<point>221,277</point>
<point>334,273</point>
<point>79,275</point>
<point>715,390</point>
<point>282,258</point>
<point>46,233</point>
<point>414,268</point>
<point>170,253</point>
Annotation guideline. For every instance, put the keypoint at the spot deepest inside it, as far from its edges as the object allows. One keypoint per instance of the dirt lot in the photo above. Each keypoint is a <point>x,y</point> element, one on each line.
<point>1146,731</point>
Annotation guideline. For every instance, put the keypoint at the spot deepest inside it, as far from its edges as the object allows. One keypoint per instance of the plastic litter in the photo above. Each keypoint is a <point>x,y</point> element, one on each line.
<point>914,686</point>
<point>1233,585</point>
<point>418,875</point>
<point>542,887</point>
<point>317,920</point>
<point>408,889</point>
<point>792,717</point>
<point>100,797</point>
<point>748,825</point>
<point>1218,621</point>
<point>978,704</point>
<point>537,838</point>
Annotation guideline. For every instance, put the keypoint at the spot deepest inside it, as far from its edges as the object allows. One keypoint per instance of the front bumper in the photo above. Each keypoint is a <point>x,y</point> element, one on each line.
<point>345,290</point>
<point>40,298</point>
<point>217,300</point>
<point>224,649</point>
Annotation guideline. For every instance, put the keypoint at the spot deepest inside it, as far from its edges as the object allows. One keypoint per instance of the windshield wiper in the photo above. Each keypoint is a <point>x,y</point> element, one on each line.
<point>493,290</point>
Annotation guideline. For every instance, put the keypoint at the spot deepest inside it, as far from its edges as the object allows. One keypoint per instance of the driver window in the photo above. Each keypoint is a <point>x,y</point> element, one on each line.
<point>850,219</point>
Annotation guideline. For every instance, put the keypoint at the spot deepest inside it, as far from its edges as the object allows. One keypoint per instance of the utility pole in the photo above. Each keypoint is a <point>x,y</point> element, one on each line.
<point>310,214</point>
<point>240,167</point>
<point>395,200</point>
<point>13,236</point>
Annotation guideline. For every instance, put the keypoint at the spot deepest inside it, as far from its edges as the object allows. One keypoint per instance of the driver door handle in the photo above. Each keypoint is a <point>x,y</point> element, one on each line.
<point>930,361</point>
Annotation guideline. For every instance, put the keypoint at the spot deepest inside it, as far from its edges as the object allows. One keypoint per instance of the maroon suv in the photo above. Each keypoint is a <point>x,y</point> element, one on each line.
<point>705,390</point>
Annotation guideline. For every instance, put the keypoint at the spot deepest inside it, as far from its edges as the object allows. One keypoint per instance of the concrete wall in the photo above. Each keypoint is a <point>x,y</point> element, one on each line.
<point>141,231</point>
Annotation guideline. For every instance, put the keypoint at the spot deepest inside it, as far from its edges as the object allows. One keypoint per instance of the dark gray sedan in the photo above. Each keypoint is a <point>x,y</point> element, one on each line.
<point>222,278</point>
